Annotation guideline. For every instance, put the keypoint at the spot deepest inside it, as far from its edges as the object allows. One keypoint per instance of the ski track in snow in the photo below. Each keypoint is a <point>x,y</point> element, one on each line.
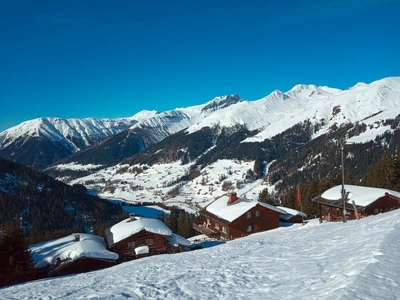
<point>353,260</point>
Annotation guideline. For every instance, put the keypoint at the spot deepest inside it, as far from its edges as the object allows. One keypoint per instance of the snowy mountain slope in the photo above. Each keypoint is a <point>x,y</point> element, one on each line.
<point>300,153</point>
<point>279,111</point>
<point>76,134</point>
<point>151,128</point>
<point>315,261</point>
<point>40,142</point>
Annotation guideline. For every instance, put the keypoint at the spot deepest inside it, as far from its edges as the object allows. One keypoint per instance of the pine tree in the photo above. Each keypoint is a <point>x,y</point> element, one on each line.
<point>15,258</point>
<point>396,171</point>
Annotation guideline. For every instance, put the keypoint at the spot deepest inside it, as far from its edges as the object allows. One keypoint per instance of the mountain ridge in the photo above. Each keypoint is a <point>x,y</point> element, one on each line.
<point>324,107</point>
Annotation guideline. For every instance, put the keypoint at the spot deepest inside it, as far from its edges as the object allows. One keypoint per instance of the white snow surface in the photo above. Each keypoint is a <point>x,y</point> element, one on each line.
<point>361,195</point>
<point>230,213</point>
<point>142,250</point>
<point>353,260</point>
<point>126,228</point>
<point>176,240</point>
<point>89,246</point>
<point>290,212</point>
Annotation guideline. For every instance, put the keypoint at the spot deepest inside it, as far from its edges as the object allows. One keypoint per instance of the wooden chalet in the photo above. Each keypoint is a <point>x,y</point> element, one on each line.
<point>76,253</point>
<point>359,201</point>
<point>137,237</point>
<point>230,217</point>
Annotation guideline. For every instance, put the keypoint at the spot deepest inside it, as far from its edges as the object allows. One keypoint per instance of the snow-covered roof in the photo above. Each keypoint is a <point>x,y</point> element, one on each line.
<point>362,196</point>
<point>126,228</point>
<point>290,212</point>
<point>221,209</point>
<point>90,246</point>
<point>176,240</point>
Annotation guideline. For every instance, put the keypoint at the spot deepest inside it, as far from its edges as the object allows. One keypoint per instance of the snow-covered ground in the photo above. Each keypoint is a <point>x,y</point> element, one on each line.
<point>353,260</point>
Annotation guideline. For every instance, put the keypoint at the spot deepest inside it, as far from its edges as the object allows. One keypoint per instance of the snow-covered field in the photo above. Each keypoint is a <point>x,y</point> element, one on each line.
<point>353,260</point>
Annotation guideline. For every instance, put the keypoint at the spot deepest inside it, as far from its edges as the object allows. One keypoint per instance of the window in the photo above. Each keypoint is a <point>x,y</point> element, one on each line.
<point>149,242</point>
<point>131,245</point>
<point>248,214</point>
<point>249,228</point>
<point>216,225</point>
<point>223,229</point>
<point>257,213</point>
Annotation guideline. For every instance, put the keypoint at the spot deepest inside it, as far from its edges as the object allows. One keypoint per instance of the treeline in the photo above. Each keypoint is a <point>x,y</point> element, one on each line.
<point>180,221</point>
<point>15,260</point>
<point>385,173</point>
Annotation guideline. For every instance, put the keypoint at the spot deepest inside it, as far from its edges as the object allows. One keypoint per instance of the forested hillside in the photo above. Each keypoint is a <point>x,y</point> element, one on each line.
<point>47,208</point>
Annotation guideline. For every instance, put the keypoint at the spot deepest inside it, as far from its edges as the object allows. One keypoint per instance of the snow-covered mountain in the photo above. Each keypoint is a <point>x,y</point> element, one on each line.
<point>42,141</point>
<point>353,260</point>
<point>226,127</point>
<point>67,136</point>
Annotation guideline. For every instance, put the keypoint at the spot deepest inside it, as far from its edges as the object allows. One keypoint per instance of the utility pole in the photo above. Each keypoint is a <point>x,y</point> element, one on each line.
<point>343,190</point>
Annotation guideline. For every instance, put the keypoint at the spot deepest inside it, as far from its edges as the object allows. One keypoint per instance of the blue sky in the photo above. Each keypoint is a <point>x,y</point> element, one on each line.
<point>76,59</point>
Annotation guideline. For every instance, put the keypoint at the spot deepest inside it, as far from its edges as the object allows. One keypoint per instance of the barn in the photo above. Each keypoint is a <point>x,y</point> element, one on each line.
<point>230,217</point>
<point>360,201</point>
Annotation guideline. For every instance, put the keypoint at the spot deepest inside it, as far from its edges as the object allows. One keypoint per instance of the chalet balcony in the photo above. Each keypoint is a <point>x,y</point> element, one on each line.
<point>207,231</point>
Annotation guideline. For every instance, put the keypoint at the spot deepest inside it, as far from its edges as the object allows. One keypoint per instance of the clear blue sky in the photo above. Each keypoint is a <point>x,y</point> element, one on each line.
<point>81,58</point>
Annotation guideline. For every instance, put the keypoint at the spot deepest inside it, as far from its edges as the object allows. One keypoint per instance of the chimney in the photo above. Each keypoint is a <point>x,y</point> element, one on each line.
<point>131,217</point>
<point>77,238</point>
<point>232,198</point>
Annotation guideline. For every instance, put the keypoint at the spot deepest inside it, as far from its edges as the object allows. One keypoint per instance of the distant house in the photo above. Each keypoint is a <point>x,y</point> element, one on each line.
<point>76,253</point>
<point>137,237</point>
<point>230,217</point>
<point>367,201</point>
<point>291,216</point>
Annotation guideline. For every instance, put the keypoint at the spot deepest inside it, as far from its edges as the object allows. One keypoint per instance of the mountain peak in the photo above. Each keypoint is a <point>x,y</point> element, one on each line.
<point>221,102</point>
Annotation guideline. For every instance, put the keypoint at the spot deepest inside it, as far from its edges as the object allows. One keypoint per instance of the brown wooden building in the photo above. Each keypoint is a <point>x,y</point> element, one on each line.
<point>359,200</point>
<point>138,237</point>
<point>230,217</point>
<point>76,253</point>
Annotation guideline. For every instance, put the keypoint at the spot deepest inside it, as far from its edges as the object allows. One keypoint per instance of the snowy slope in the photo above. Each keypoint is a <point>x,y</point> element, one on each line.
<point>161,125</point>
<point>279,111</point>
<point>353,260</point>
<point>75,133</point>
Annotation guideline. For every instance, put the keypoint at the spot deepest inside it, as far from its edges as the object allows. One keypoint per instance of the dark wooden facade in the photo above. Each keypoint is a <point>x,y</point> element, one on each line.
<point>258,218</point>
<point>126,248</point>
<point>332,210</point>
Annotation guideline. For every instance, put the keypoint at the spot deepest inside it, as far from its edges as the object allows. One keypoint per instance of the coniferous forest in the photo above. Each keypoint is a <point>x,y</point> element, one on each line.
<point>47,208</point>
